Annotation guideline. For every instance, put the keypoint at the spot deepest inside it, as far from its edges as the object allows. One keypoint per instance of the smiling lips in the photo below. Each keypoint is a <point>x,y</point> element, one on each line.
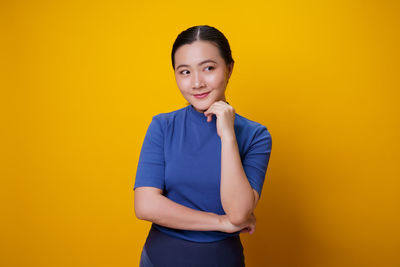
<point>201,95</point>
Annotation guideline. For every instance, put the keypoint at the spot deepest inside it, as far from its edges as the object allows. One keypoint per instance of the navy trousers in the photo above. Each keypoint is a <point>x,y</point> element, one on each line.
<point>162,250</point>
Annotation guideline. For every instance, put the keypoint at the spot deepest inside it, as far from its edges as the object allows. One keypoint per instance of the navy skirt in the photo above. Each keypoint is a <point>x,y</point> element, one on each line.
<point>162,250</point>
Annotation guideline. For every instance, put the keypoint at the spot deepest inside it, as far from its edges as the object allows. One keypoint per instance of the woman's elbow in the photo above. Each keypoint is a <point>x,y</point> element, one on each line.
<point>140,212</point>
<point>238,219</point>
<point>145,197</point>
<point>139,206</point>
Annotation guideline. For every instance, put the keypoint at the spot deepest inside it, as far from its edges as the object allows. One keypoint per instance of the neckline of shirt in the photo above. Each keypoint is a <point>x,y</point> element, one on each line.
<point>199,116</point>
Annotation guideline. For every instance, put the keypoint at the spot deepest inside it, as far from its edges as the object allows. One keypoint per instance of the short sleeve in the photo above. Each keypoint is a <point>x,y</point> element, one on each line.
<point>150,169</point>
<point>255,161</point>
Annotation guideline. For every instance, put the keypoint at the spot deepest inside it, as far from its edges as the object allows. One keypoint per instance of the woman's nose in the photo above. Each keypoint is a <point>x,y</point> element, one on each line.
<point>197,81</point>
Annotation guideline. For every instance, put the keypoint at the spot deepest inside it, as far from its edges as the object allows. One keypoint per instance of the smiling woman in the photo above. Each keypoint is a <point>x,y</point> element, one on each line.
<point>205,80</point>
<point>199,179</point>
<point>203,70</point>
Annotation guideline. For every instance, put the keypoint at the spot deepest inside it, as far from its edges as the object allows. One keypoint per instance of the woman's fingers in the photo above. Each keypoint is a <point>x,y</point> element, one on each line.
<point>209,113</point>
<point>215,108</point>
<point>244,230</point>
<point>248,227</point>
<point>251,228</point>
<point>251,225</point>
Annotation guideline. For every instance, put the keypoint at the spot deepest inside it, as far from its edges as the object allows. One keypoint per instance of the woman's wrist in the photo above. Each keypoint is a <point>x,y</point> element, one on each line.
<point>226,225</point>
<point>221,223</point>
<point>228,138</point>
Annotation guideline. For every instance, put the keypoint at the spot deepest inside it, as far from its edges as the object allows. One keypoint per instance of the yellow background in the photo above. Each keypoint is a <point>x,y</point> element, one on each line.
<point>80,81</point>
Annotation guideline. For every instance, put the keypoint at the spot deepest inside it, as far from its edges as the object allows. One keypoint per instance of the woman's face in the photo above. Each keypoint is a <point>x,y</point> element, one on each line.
<point>200,69</point>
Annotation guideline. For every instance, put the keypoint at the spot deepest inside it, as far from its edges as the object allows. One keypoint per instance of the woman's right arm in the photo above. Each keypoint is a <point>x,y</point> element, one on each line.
<point>151,205</point>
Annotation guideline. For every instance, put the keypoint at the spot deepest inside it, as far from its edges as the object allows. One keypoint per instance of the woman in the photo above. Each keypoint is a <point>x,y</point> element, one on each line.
<point>202,167</point>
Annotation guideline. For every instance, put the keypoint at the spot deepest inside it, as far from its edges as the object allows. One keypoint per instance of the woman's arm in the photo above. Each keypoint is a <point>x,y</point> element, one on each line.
<point>151,205</point>
<point>237,196</point>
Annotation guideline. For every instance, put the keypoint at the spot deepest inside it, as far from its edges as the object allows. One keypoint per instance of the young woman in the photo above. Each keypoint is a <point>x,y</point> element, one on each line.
<point>202,167</point>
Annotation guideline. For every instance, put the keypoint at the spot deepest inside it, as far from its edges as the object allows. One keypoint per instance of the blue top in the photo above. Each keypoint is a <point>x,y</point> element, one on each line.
<point>181,154</point>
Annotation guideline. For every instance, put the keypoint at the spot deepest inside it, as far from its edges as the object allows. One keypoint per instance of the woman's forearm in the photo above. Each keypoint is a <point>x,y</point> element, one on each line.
<point>163,211</point>
<point>237,195</point>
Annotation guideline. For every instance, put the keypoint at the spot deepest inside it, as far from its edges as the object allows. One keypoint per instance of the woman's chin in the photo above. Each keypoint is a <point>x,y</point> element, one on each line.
<point>201,107</point>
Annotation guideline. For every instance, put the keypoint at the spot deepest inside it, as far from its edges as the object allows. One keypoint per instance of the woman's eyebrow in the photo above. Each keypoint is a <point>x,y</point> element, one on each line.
<point>201,63</point>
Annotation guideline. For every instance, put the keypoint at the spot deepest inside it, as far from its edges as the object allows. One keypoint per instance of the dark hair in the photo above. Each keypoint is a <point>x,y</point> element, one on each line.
<point>203,33</point>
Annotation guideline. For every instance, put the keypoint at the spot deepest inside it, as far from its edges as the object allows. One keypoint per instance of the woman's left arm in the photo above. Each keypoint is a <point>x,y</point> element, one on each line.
<point>238,198</point>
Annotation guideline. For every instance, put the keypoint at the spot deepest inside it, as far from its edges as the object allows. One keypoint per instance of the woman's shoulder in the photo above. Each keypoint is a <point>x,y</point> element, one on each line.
<point>247,124</point>
<point>165,117</point>
<point>250,132</point>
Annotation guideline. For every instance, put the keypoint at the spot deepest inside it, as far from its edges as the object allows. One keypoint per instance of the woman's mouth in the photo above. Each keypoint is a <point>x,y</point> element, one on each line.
<point>203,95</point>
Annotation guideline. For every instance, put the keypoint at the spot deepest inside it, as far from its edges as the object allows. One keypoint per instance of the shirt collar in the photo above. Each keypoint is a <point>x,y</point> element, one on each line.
<point>199,116</point>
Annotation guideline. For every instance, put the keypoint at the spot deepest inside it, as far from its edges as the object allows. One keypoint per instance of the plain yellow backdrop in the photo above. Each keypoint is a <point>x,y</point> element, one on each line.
<point>80,81</point>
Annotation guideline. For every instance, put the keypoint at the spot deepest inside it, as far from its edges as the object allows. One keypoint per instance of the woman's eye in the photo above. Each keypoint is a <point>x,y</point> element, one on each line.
<point>182,72</point>
<point>210,67</point>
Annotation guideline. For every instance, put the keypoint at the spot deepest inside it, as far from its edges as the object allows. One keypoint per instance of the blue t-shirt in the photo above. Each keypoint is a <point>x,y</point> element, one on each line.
<point>181,154</point>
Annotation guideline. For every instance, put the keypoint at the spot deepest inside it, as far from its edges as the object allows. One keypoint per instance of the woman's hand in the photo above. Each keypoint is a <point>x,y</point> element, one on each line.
<point>248,227</point>
<point>225,114</point>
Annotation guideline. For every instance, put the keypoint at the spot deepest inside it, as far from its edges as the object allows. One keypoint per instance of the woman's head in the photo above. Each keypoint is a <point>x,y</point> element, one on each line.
<point>202,62</point>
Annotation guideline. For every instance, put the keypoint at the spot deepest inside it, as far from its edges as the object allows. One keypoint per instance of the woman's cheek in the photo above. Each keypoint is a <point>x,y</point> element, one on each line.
<point>186,83</point>
<point>215,82</point>
<point>183,85</point>
<point>216,79</point>
<point>212,80</point>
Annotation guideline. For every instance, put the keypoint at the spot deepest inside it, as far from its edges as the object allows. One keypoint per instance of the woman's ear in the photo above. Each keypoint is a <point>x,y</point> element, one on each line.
<point>230,69</point>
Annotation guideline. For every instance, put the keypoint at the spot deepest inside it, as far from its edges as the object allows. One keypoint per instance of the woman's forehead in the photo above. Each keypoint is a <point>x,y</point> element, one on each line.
<point>197,52</point>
